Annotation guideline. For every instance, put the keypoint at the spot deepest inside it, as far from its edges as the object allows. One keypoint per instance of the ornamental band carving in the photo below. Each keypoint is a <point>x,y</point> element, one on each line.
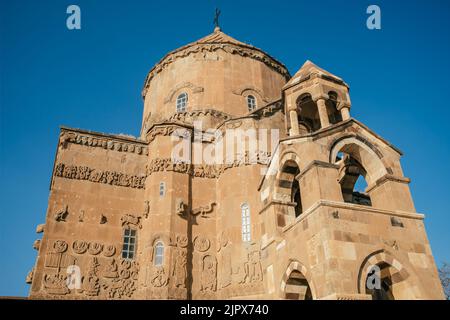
<point>204,171</point>
<point>94,175</point>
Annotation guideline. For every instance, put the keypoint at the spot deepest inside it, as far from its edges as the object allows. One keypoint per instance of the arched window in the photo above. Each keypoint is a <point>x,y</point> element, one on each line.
<point>245,211</point>
<point>251,103</point>
<point>182,100</point>
<point>159,254</point>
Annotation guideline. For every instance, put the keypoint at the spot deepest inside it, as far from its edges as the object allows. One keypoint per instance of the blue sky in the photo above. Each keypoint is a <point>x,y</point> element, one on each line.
<point>92,78</point>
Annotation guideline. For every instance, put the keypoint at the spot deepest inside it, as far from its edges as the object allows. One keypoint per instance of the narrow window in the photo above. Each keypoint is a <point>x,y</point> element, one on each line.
<point>162,189</point>
<point>129,244</point>
<point>251,103</point>
<point>245,222</point>
<point>159,254</point>
<point>182,102</point>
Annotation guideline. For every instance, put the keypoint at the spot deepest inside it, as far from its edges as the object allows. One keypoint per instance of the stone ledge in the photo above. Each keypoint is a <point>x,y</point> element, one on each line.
<point>351,206</point>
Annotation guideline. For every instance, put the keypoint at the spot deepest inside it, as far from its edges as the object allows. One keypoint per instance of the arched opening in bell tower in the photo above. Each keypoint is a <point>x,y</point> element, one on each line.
<point>334,115</point>
<point>308,114</point>
<point>288,179</point>
<point>352,178</point>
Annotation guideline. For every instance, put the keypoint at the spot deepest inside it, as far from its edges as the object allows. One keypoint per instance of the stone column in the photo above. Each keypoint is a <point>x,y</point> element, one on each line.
<point>294,121</point>
<point>345,113</point>
<point>323,114</point>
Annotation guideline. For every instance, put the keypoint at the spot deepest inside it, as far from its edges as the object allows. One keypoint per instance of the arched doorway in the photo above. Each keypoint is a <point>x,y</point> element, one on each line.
<point>297,287</point>
<point>384,278</point>
<point>295,284</point>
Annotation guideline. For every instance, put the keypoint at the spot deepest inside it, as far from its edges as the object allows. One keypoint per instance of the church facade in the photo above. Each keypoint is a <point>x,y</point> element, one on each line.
<point>171,215</point>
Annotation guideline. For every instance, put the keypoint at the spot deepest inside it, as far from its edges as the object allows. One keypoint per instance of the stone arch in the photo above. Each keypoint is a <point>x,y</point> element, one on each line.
<point>307,111</point>
<point>302,278</point>
<point>250,90</point>
<point>188,87</point>
<point>366,153</point>
<point>288,165</point>
<point>401,283</point>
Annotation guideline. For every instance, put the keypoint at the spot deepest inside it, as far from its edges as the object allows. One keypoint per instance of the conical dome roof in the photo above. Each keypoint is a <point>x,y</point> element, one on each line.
<point>212,42</point>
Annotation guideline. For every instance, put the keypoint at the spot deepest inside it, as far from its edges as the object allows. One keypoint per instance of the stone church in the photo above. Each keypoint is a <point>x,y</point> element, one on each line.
<point>128,220</point>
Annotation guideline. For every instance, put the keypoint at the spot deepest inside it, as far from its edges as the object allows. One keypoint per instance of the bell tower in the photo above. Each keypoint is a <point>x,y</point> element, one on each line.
<point>315,99</point>
<point>346,234</point>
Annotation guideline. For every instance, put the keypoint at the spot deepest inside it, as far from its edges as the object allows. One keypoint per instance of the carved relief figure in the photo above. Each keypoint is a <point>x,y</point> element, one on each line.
<point>253,269</point>
<point>204,211</point>
<point>111,269</point>
<point>146,209</point>
<point>201,244</point>
<point>131,220</point>
<point>225,265</point>
<point>80,246</point>
<point>180,207</point>
<point>179,269</point>
<point>95,248</point>
<point>109,250</point>
<point>159,278</point>
<point>55,284</point>
<point>91,285</point>
<point>209,273</point>
<point>61,215</point>
<point>30,275</point>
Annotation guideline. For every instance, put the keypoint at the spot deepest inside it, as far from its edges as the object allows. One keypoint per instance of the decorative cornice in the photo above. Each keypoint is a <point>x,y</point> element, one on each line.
<point>100,140</point>
<point>187,116</point>
<point>99,176</point>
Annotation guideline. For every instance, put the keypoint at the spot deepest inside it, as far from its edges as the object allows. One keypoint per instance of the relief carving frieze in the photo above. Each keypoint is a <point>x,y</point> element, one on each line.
<point>107,177</point>
<point>205,171</point>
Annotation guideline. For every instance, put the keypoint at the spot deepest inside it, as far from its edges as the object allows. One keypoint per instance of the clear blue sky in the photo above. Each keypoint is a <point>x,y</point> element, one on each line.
<point>92,78</point>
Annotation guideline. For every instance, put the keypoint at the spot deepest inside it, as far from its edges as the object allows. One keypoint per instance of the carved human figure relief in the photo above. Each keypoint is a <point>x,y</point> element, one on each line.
<point>209,273</point>
<point>225,265</point>
<point>179,268</point>
<point>91,285</point>
<point>253,269</point>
